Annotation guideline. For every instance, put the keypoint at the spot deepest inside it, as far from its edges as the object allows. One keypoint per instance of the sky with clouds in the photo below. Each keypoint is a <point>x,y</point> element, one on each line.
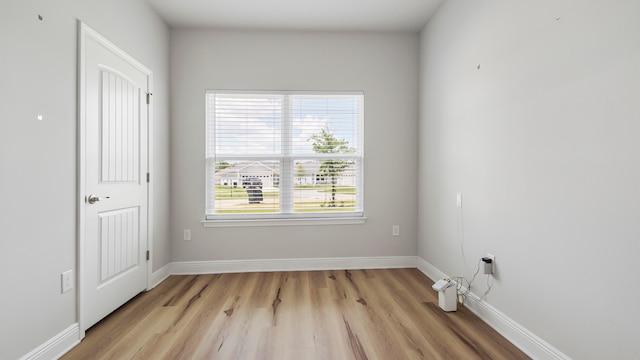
<point>253,124</point>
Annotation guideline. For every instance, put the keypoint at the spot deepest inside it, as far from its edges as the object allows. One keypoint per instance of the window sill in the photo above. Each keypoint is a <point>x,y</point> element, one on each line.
<point>356,220</point>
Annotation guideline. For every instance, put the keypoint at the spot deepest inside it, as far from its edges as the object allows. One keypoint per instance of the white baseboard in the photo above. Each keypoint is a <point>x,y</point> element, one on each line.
<point>160,275</point>
<point>269,265</point>
<point>524,339</point>
<point>431,271</point>
<point>57,345</point>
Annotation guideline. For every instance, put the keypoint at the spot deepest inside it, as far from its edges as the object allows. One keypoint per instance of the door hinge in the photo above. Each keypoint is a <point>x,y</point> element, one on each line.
<point>149,98</point>
<point>148,177</point>
<point>148,255</point>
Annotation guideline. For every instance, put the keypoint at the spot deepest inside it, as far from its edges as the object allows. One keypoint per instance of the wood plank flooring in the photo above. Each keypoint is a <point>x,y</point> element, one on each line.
<point>354,314</point>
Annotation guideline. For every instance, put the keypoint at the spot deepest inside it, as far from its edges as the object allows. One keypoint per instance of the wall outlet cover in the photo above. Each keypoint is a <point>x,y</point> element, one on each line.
<point>67,281</point>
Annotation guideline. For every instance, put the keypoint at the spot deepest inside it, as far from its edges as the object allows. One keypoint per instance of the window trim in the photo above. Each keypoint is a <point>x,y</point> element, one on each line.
<point>290,218</point>
<point>299,221</point>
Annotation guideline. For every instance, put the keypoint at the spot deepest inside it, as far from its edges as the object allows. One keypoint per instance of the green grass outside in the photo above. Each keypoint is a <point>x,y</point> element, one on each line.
<point>262,211</point>
<point>246,211</point>
<point>229,192</point>
<point>327,188</point>
<point>271,205</point>
<point>299,207</point>
<point>341,190</point>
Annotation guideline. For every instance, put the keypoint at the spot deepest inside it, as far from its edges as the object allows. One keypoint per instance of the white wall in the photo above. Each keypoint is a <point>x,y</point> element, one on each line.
<point>38,158</point>
<point>385,67</point>
<point>542,142</point>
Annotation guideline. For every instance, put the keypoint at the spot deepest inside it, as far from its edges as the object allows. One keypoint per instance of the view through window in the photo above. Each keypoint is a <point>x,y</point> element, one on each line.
<point>284,154</point>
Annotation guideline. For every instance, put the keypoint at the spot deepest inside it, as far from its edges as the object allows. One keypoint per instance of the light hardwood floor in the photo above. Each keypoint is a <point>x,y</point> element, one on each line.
<point>354,314</point>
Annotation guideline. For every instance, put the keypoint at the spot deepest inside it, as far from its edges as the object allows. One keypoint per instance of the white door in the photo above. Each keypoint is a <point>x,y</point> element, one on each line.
<point>113,169</point>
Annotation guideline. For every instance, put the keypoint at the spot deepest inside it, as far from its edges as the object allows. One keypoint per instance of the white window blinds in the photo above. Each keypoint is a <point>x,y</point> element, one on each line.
<point>284,154</point>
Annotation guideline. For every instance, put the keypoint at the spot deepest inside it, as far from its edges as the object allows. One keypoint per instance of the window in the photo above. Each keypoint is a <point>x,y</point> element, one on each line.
<point>284,154</point>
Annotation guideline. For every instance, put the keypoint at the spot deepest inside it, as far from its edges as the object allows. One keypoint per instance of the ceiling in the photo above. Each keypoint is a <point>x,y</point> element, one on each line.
<point>299,15</point>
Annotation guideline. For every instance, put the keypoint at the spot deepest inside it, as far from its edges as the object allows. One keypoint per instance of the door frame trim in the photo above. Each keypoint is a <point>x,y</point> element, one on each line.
<point>84,32</point>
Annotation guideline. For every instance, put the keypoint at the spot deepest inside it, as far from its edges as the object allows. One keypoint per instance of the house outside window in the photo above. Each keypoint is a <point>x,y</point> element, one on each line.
<point>272,155</point>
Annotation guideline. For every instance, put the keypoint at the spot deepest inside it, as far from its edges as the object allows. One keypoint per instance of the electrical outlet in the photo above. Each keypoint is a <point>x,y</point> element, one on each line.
<point>187,234</point>
<point>395,230</point>
<point>488,266</point>
<point>458,200</point>
<point>67,280</point>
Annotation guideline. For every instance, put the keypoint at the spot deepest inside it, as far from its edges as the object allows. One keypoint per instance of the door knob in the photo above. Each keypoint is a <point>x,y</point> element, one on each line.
<point>92,199</point>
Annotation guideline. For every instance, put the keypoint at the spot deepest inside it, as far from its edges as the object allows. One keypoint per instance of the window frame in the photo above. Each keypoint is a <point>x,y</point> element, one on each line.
<point>286,215</point>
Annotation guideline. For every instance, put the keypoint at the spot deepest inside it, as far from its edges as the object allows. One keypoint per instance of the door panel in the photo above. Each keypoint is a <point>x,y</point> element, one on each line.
<point>120,152</point>
<point>119,250</point>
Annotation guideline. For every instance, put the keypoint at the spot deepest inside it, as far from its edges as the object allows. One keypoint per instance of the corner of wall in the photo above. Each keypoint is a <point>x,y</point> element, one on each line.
<point>521,337</point>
